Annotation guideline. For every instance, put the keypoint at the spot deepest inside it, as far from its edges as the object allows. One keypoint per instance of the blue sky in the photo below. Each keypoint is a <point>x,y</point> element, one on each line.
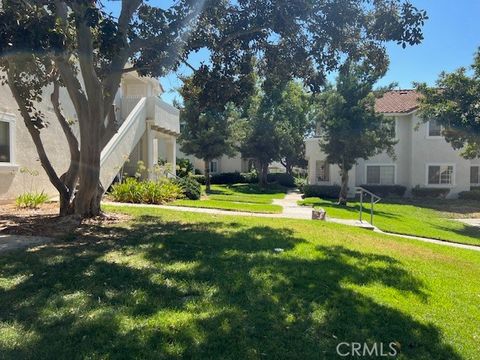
<point>452,35</point>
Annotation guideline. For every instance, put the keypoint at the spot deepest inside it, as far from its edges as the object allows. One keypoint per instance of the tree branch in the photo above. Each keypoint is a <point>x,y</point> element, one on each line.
<point>71,176</point>
<point>35,134</point>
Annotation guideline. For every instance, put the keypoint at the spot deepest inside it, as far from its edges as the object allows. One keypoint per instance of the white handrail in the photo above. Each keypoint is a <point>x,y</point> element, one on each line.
<point>122,131</point>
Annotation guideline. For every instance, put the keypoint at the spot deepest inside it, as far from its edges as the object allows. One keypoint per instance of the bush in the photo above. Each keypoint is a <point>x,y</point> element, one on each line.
<point>301,182</point>
<point>470,195</point>
<point>146,192</point>
<point>321,191</point>
<point>199,178</point>
<point>386,190</point>
<point>227,178</point>
<point>31,200</point>
<point>190,187</point>
<point>184,167</point>
<point>419,192</point>
<point>249,178</point>
<point>283,179</point>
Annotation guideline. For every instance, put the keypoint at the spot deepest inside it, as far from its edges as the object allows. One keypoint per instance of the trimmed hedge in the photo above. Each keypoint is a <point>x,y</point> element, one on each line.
<point>469,195</point>
<point>321,191</point>
<point>283,179</point>
<point>227,178</point>
<point>190,187</point>
<point>198,178</point>
<point>419,192</point>
<point>385,191</point>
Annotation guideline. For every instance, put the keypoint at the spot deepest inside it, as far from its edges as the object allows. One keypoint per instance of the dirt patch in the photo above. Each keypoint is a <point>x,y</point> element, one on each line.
<point>45,221</point>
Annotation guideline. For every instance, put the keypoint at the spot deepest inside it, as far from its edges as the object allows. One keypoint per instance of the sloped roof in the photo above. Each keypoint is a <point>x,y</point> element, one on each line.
<point>397,102</point>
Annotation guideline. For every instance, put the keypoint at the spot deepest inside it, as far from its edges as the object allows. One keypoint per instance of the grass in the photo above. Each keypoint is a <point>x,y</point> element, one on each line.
<point>172,285</point>
<point>415,218</point>
<point>230,206</point>
<point>239,197</point>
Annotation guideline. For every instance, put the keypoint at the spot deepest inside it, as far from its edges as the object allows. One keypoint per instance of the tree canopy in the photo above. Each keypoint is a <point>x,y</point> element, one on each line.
<point>455,104</point>
<point>78,45</point>
<point>349,128</point>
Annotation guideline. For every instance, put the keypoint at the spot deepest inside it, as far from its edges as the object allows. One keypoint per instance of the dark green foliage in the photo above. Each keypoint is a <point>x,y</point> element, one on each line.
<point>199,178</point>
<point>419,192</point>
<point>386,190</point>
<point>349,127</point>
<point>456,107</point>
<point>301,182</point>
<point>184,167</point>
<point>190,187</point>
<point>228,178</point>
<point>321,191</point>
<point>470,195</point>
<point>283,179</point>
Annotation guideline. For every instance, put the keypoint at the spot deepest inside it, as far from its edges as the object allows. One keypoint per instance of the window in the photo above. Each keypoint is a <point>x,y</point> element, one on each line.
<point>393,127</point>
<point>322,171</point>
<point>434,129</point>
<point>213,166</point>
<point>380,174</point>
<point>5,148</point>
<point>475,175</point>
<point>440,174</point>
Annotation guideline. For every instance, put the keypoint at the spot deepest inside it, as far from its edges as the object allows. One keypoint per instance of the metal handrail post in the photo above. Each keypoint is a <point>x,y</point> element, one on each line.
<point>371,210</point>
<point>361,204</point>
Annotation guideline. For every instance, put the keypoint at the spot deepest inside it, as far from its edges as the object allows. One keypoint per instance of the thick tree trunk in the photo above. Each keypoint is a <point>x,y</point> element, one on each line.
<point>207,175</point>
<point>262,169</point>
<point>90,191</point>
<point>342,199</point>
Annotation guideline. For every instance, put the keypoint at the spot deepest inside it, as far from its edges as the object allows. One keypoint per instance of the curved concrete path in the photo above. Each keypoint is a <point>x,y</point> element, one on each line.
<point>291,210</point>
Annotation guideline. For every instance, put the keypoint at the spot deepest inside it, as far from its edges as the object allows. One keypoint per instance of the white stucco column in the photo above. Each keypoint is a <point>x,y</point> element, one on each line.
<point>151,151</point>
<point>172,153</point>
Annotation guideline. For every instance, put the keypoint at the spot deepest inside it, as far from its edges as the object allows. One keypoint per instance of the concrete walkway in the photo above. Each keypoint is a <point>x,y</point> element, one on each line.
<point>14,242</point>
<point>291,210</point>
<point>470,222</point>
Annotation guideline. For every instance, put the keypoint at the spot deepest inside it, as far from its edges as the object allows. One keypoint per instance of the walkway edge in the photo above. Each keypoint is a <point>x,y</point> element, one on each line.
<point>286,216</point>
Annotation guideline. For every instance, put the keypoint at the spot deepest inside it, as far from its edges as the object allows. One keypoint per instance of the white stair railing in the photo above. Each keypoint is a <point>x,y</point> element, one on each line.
<point>119,148</point>
<point>373,200</point>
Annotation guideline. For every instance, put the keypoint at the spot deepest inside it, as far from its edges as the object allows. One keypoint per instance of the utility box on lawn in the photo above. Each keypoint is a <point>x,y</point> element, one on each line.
<point>319,214</point>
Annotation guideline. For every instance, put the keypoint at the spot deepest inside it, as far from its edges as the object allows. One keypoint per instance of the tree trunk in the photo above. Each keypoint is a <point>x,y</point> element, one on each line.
<point>342,199</point>
<point>262,169</point>
<point>90,191</point>
<point>207,174</point>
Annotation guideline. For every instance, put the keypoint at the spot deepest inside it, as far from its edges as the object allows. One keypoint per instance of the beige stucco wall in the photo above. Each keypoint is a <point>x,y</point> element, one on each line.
<point>12,181</point>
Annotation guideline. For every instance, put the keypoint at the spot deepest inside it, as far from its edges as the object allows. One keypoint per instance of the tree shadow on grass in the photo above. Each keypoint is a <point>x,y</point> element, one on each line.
<point>205,290</point>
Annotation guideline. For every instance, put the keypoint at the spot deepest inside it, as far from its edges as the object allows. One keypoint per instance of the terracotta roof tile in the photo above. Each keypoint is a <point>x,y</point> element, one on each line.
<point>397,102</point>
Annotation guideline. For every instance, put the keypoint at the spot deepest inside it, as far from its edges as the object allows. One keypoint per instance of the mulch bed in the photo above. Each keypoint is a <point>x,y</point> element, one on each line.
<point>45,221</point>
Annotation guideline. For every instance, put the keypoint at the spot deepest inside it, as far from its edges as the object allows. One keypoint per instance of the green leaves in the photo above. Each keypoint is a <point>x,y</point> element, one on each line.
<point>455,103</point>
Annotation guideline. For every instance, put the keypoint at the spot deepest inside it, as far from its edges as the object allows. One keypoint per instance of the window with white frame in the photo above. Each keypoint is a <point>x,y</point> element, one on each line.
<point>434,128</point>
<point>7,131</point>
<point>475,175</point>
<point>393,127</point>
<point>380,174</point>
<point>213,166</point>
<point>322,169</point>
<point>440,175</point>
<point>5,148</point>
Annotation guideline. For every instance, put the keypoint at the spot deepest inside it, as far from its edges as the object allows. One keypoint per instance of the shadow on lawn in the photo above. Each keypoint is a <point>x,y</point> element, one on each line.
<point>207,290</point>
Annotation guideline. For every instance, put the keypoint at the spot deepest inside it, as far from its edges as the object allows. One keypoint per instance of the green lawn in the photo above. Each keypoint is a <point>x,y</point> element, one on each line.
<point>411,218</point>
<point>239,197</point>
<point>229,206</point>
<point>172,285</point>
